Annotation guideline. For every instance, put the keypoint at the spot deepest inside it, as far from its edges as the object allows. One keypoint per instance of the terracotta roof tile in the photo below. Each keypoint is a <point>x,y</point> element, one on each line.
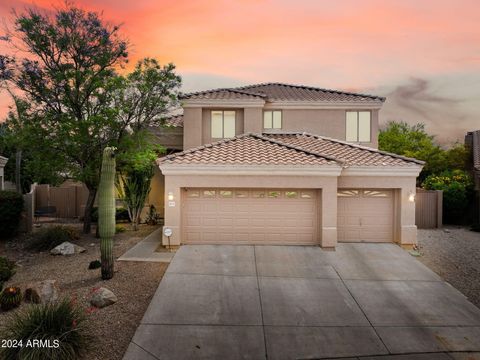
<point>174,121</point>
<point>350,154</point>
<point>283,92</point>
<point>248,149</point>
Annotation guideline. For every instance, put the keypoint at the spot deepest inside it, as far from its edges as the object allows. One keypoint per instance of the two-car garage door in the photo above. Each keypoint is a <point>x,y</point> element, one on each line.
<point>249,216</point>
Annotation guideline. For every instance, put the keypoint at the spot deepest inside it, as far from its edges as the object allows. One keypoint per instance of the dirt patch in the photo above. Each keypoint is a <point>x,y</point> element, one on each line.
<point>454,254</point>
<point>134,284</point>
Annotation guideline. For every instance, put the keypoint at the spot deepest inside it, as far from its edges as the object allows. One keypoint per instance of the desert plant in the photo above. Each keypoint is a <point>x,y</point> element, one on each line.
<point>31,296</point>
<point>153,217</point>
<point>59,323</point>
<point>119,229</point>
<point>1,286</point>
<point>10,298</point>
<point>50,237</point>
<point>95,264</point>
<point>11,207</point>
<point>106,211</point>
<point>7,269</point>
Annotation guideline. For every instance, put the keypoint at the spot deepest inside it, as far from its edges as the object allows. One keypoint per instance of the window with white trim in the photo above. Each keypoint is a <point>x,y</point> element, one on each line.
<point>222,124</point>
<point>358,126</point>
<point>272,119</point>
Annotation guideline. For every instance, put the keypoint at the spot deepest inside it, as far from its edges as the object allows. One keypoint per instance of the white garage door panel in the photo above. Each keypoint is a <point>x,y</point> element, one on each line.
<point>249,216</point>
<point>365,215</point>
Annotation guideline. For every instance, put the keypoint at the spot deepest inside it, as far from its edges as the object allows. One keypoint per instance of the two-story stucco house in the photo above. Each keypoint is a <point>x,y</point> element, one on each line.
<point>284,164</point>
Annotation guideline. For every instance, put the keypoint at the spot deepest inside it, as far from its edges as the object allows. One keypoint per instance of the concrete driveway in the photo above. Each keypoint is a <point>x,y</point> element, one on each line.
<point>295,302</point>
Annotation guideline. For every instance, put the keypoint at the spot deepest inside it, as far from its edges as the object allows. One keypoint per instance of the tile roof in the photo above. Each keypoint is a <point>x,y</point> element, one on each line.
<point>349,154</point>
<point>283,92</point>
<point>248,149</point>
<point>174,121</point>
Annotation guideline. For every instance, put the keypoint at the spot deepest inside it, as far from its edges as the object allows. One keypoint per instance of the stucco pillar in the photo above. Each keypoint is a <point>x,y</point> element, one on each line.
<point>173,213</point>
<point>329,215</point>
<point>408,229</point>
<point>192,127</point>
<point>253,120</point>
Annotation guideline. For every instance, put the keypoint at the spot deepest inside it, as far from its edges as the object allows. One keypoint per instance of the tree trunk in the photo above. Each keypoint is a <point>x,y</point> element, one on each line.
<point>106,249</point>
<point>87,216</point>
<point>18,168</point>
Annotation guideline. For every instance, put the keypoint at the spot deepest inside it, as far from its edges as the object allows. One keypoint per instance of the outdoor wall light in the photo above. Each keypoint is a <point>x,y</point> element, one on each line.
<point>411,196</point>
<point>170,196</point>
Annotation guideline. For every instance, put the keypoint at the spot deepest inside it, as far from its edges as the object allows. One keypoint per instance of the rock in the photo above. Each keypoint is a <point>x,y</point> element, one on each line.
<point>414,253</point>
<point>446,230</point>
<point>42,292</point>
<point>103,297</point>
<point>67,248</point>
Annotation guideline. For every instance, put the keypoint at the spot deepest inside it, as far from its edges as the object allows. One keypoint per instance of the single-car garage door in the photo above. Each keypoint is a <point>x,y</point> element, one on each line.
<point>365,215</point>
<point>249,216</point>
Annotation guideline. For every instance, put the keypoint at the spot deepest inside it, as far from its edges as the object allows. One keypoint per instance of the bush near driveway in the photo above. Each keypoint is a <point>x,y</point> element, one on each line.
<point>62,321</point>
<point>7,269</point>
<point>457,186</point>
<point>11,207</point>
<point>50,237</point>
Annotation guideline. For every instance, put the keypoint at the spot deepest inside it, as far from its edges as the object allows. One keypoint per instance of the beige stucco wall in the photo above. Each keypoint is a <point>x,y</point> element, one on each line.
<point>405,230</point>
<point>326,122</point>
<point>156,197</point>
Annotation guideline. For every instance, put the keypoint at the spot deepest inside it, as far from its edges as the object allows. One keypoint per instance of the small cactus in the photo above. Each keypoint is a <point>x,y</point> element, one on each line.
<point>95,264</point>
<point>106,211</point>
<point>10,298</point>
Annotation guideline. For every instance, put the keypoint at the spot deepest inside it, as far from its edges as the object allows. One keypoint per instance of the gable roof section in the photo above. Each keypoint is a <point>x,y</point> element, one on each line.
<point>283,92</point>
<point>349,154</point>
<point>174,121</point>
<point>248,149</point>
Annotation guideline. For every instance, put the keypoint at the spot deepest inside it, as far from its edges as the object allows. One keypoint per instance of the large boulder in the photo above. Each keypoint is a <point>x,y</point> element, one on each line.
<point>42,292</point>
<point>102,297</point>
<point>67,248</point>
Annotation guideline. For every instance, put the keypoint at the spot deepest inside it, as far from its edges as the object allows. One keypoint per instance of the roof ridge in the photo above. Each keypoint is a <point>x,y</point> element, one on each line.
<point>313,88</point>
<point>298,148</point>
<point>364,148</point>
<point>183,96</point>
<point>253,135</point>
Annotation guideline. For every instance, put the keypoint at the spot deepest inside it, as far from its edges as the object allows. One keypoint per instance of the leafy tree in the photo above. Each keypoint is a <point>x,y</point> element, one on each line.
<point>413,141</point>
<point>81,104</point>
<point>134,178</point>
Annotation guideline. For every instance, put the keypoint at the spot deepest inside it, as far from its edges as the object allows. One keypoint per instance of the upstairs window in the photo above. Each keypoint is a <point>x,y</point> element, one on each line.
<point>223,124</point>
<point>272,119</point>
<point>358,126</point>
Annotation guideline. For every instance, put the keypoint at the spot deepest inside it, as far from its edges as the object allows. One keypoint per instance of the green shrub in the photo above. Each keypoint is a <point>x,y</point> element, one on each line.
<point>49,237</point>
<point>457,186</point>
<point>10,298</point>
<point>61,321</point>
<point>95,264</point>
<point>121,214</point>
<point>7,269</point>
<point>119,229</point>
<point>11,207</point>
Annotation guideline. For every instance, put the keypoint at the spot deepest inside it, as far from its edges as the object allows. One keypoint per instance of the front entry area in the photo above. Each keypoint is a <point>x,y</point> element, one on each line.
<point>249,216</point>
<point>365,215</point>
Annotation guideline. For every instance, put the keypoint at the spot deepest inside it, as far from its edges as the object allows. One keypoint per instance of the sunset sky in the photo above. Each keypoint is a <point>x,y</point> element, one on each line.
<point>423,55</point>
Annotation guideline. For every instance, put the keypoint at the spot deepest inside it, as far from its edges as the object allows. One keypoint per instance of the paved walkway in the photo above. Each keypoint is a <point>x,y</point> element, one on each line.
<point>145,250</point>
<point>294,302</point>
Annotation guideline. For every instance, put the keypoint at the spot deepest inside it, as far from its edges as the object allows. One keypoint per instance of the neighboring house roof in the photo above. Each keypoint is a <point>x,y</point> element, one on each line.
<point>174,121</point>
<point>283,92</point>
<point>476,149</point>
<point>349,154</point>
<point>248,149</point>
<point>286,149</point>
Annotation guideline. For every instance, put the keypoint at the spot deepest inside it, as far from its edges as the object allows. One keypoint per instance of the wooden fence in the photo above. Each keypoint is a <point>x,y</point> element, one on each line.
<point>428,209</point>
<point>69,198</point>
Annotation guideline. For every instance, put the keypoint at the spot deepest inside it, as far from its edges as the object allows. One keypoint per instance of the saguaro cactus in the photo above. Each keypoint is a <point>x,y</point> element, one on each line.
<point>106,211</point>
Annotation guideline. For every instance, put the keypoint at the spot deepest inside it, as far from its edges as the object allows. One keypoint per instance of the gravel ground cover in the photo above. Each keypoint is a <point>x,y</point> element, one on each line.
<point>454,254</point>
<point>134,284</point>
